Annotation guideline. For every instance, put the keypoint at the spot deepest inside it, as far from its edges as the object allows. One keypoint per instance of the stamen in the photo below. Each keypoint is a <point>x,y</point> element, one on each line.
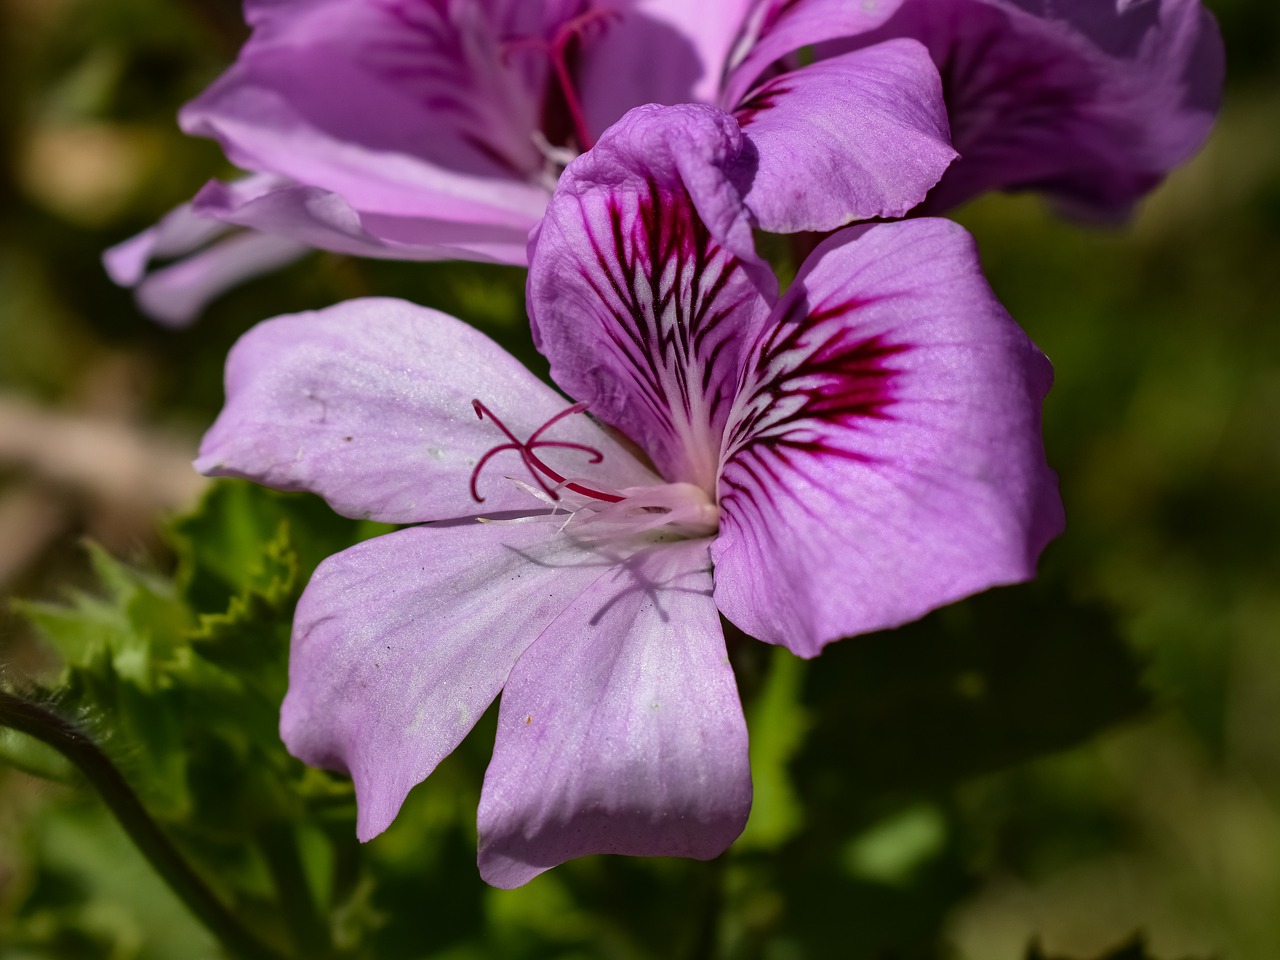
<point>557,50</point>
<point>536,467</point>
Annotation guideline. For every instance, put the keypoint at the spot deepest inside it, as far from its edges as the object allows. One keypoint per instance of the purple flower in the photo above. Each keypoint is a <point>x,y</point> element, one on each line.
<point>844,458</point>
<point>1092,102</point>
<point>436,129</point>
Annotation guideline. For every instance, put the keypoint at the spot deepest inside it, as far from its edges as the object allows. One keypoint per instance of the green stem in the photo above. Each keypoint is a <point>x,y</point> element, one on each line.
<point>65,737</point>
<point>280,851</point>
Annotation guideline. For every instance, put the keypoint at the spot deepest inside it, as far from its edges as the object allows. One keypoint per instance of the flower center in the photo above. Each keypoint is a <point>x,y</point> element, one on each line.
<point>680,510</point>
<point>564,122</point>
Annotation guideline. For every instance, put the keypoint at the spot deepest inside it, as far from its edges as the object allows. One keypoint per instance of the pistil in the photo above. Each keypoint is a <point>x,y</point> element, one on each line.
<point>533,463</point>
<point>558,51</point>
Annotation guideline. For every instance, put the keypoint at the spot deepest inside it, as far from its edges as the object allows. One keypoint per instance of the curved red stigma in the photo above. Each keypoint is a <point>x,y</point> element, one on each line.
<point>557,50</point>
<point>536,467</point>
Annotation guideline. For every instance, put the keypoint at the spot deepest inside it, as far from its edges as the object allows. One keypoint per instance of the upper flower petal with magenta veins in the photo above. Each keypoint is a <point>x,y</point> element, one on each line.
<point>773,29</point>
<point>884,455</point>
<point>382,101</point>
<point>644,287</point>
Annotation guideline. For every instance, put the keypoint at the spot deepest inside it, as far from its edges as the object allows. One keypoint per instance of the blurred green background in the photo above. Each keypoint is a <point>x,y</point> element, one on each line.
<point>1075,761</point>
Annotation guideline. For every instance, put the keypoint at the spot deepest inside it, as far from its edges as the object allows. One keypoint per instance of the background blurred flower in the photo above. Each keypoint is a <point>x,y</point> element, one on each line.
<point>1090,102</point>
<point>437,130</point>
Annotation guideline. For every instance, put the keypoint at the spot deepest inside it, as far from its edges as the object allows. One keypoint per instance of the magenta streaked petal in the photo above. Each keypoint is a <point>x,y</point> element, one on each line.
<point>644,288</point>
<point>319,218</point>
<point>1091,102</point>
<point>401,642</point>
<point>776,28</point>
<point>884,457</point>
<point>620,729</point>
<point>369,404</point>
<point>849,138</point>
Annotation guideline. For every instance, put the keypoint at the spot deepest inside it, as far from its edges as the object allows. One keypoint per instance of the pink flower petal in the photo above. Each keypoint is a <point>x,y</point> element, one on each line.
<point>177,294</point>
<point>849,138</point>
<point>402,108</point>
<point>1091,102</point>
<point>319,218</point>
<point>777,28</point>
<point>620,729</point>
<point>658,51</point>
<point>401,642</point>
<point>214,257</point>
<point>884,457</point>
<point>369,404</point>
<point>644,288</point>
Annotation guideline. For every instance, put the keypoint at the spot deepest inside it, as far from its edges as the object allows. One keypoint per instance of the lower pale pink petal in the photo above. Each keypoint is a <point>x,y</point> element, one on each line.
<point>369,404</point>
<point>318,218</point>
<point>854,137</point>
<point>620,729</point>
<point>401,642</point>
<point>644,287</point>
<point>884,457</point>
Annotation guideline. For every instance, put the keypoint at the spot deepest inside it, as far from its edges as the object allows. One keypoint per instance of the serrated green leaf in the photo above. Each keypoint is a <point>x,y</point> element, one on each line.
<point>251,637</point>
<point>138,623</point>
<point>224,544</point>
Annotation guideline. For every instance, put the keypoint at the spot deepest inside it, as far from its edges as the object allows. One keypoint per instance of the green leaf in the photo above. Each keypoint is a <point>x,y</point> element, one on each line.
<point>121,653</point>
<point>251,637</point>
<point>893,848</point>
<point>137,624</point>
<point>233,543</point>
<point>777,720</point>
<point>1001,678</point>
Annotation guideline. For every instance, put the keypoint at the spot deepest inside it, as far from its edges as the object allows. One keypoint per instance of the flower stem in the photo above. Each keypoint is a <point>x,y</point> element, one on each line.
<point>69,740</point>
<point>279,848</point>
